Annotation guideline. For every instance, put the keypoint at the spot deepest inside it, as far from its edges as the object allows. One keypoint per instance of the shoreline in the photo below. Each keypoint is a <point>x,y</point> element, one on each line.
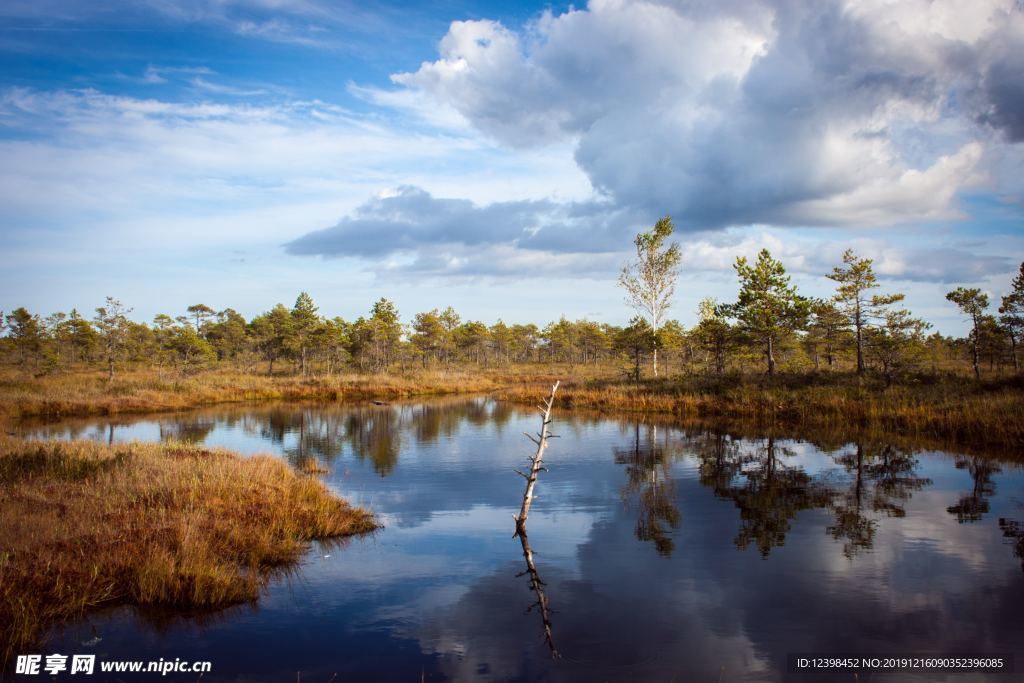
<point>949,407</point>
<point>89,525</point>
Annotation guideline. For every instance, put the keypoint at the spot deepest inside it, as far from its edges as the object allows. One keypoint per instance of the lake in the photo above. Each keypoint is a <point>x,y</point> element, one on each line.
<point>655,551</point>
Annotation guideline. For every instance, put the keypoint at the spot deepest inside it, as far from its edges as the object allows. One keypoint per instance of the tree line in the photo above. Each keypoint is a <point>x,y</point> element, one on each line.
<point>859,328</point>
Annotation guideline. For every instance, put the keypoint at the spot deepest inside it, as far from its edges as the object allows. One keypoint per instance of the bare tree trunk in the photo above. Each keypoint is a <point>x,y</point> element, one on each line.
<point>536,462</point>
<point>859,324</point>
<point>1013,352</point>
<point>771,357</point>
<point>974,350</point>
<point>655,361</point>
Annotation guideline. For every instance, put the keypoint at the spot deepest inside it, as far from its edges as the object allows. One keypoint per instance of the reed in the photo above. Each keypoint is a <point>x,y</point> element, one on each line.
<point>86,524</point>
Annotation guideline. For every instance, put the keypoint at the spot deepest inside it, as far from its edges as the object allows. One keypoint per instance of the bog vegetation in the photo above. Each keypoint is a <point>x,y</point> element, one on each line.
<point>769,328</point>
<point>87,524</point>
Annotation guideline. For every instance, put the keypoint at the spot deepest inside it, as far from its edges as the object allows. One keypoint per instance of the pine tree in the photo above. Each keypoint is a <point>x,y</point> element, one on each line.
<point>1011,314</point>
<point>768,307</point>
<point>972,302</point>
<point>861,310</point>
<point>305,320</point>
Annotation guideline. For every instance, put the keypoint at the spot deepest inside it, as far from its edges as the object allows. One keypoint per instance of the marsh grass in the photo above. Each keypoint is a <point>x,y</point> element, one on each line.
<point>87,392</point>
<point>943,404</point>
<point>86,525</point>
<point>951,408</point>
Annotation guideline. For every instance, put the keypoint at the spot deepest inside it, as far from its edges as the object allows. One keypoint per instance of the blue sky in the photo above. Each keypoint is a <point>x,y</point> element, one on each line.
<point>499,157</point>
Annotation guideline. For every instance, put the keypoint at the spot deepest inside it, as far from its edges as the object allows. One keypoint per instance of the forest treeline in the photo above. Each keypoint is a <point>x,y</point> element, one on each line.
<point>770,325</point>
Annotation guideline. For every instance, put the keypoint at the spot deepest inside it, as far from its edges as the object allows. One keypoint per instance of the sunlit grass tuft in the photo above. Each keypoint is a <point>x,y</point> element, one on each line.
<point>86,524</point>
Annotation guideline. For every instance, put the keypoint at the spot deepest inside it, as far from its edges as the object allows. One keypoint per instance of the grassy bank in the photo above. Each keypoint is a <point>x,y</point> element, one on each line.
<point>949,408</point>
<point>87,392</point>
<point>946,406</point>
<point>86,525</point>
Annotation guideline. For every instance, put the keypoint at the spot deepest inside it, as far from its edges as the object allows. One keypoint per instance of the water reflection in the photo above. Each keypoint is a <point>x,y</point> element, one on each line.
<point>666,550</point>
<point>882,480</point>
<point>649,482</point>
<point>1014,531</point>
<point>974,505</point>
<point>542,605</point>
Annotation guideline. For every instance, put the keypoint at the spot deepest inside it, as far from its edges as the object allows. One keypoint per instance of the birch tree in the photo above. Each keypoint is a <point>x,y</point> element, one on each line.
<point>650,280</point>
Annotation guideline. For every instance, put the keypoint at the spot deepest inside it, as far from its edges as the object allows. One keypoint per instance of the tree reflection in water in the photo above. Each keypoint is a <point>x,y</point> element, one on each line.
<point>974,505</point>
<point>771,496</point>
<point>648,476</point>
<point>371,432</point>
<point>769,493</point>
<point>882,480</point>
<point>191,431</point>
<point>1014,531</point>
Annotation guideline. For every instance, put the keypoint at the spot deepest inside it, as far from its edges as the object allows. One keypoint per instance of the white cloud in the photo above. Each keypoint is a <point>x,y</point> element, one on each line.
<point>792,113</point>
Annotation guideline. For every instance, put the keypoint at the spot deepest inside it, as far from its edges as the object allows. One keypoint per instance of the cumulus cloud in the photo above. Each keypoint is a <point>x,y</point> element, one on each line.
<point>788,112</point>
<point>811,256</point>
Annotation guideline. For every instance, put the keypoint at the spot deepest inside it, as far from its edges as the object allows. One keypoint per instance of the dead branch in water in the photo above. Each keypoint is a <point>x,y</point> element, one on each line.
<point>536,462</point>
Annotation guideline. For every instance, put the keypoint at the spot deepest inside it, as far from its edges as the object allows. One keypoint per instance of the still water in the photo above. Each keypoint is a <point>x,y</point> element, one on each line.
<point>655,551</point>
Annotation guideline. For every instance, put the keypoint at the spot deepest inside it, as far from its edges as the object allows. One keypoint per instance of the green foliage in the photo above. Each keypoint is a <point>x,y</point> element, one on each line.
<point>713,334</point>
<point>827,332</point>
<point>429,335</point>
<point>25,331</point>
<point>650,281</point>
<point>770,318</point>
<point>192,353</point>
<point>201,313</point>
<point>227,334</point>
<point>271,332</point>
<point>972,302</point>
<point>304,330</point>
<point>1011,314</point>
<point>854,282</point>
<point>768,308</point>
<point>635,342</point>
<point>113,326</point>
<point>899,344</point>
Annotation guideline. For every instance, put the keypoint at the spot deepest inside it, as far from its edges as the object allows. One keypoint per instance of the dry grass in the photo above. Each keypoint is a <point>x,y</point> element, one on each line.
<point>949,408</point>
<point>86,524</point>
<point>87,392</point>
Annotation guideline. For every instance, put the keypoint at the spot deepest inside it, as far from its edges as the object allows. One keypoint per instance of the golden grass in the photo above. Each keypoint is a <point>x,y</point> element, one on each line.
<point>87,392</point>
<point>949,408</point>
<point>85,524</point>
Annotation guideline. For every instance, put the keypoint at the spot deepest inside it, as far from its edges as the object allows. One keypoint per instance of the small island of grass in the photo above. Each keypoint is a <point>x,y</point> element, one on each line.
<point>89,525</point>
